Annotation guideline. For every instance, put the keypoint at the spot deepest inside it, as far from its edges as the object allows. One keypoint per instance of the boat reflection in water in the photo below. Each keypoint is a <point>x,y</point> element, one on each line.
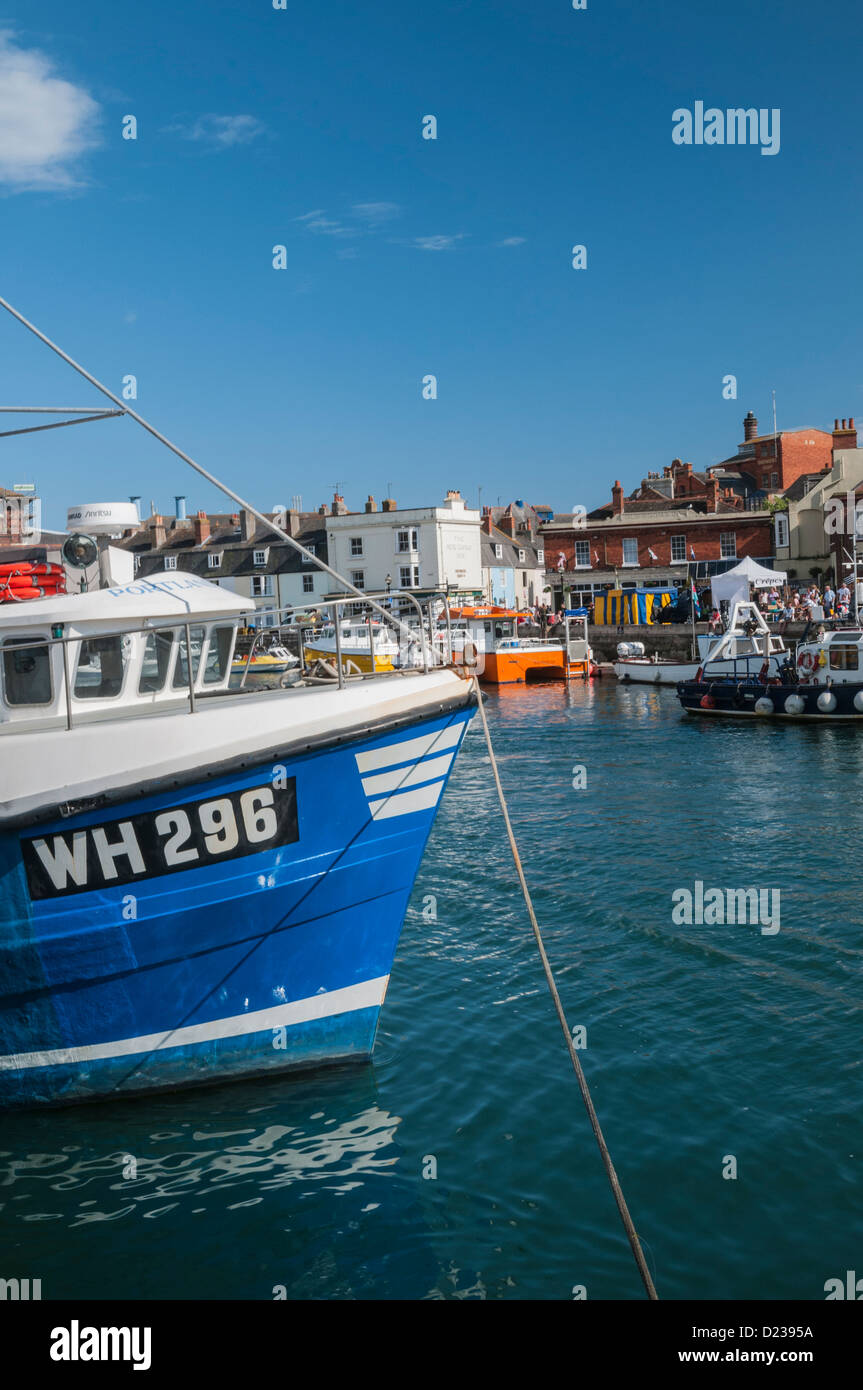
<point>263,1166</point>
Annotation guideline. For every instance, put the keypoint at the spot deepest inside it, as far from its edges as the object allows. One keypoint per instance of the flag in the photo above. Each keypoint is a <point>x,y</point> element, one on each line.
<point>696,606</point>
<point>652,553</point>
<point>596,557</point>
<point>692,552</point>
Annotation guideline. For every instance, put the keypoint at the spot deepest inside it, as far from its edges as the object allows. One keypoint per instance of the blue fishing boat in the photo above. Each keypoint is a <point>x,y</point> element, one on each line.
<point>196,882</point>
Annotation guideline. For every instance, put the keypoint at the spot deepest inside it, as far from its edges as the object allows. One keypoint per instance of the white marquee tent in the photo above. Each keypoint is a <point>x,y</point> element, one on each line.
<point>734,584</point>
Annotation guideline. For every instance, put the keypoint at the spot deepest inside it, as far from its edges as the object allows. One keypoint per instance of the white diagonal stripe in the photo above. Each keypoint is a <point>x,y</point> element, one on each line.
<point>402,778</point>
<point>370,993</point>
<point>410,749</point>
<point>402,804</point>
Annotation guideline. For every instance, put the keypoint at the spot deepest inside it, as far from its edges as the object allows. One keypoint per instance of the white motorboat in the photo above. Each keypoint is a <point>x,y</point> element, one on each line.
<point>746,643</point>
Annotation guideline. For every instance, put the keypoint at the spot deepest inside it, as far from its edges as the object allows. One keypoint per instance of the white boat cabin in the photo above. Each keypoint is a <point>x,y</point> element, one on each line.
<point>832,658</point>
<point>117,652</point>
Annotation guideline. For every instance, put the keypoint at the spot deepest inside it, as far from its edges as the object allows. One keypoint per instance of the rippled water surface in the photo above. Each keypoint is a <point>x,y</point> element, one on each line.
<point>703,1043</point>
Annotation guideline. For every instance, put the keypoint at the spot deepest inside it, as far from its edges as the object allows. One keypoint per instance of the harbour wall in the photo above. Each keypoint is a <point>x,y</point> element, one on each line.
<point>673,642</point>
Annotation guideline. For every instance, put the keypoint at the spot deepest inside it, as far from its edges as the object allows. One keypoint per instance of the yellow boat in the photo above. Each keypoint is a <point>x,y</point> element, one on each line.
<point>355,650</point>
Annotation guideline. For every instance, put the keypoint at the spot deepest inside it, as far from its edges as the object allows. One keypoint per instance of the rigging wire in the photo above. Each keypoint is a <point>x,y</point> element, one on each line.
<point>619,1198</point>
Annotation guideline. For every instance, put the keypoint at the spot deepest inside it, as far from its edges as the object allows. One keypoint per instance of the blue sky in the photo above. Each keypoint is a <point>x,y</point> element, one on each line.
<point>406,256</point>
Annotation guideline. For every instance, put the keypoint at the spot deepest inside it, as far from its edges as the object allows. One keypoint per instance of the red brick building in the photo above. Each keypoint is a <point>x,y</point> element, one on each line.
<point>769,463</point>
<point>652,537</point>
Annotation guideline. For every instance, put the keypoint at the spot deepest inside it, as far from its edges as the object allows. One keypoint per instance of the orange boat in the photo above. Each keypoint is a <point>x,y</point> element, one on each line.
<point>489,639</point>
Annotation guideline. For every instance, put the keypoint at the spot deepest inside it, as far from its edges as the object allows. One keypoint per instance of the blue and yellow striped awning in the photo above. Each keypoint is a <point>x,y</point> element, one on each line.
<point>630,606</point>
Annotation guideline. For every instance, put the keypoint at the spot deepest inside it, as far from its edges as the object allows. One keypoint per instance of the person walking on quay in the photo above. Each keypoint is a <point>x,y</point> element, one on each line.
<point>829,600</point>
<point>843,599</point>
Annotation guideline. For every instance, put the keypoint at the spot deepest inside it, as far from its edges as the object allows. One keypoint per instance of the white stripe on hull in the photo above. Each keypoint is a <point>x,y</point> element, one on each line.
<point>368,994</point>
<point>402,779</point>
<point>422,799</point>
<point>411,748</point>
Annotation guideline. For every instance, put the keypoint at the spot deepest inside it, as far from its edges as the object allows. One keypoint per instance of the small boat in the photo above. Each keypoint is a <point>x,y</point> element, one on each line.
<point>489,640</point>
<point>739,654</point>
<point>355,647</point>
<point>274,660</point>
<point>822,682</point>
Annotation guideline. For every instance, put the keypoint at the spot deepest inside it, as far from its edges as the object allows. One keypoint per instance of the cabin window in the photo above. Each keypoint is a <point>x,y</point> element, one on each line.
<point>181,669</point>
<point>844,658</point>
<point>218,655</point>
<point>27,673</point>
<point>156,663</point>
<point>100,670</point>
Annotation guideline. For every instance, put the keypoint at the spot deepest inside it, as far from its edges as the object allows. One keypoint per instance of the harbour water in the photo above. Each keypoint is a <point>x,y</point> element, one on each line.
<point>460,1163</point>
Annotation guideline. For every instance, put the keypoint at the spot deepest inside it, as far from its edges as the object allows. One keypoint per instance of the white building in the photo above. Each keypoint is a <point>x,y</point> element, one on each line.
<point>425,548</point>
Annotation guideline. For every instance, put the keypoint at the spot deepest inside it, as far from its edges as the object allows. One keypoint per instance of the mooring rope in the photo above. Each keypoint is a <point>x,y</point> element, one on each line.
<point>619,1198</point>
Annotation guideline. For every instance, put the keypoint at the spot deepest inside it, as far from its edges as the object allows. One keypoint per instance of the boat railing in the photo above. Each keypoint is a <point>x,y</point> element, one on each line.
<point>436,648</point>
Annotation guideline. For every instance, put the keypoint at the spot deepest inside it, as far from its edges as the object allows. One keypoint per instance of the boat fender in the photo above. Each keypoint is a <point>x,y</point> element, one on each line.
<point>699,675</point>
<point>763,705</point>
<point>826,702</point>
<point>795,704</point>
<point>858,702</point>
<point>707,702</point>
<point>469,653</point>
<point>762,674</point>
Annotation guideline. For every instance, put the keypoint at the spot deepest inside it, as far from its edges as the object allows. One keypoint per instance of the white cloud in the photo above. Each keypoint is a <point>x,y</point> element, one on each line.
<point>46,123</point>
<point>512,241</point>
<point>437,243</point>
<point>373,213</point>
<point>221,131</point>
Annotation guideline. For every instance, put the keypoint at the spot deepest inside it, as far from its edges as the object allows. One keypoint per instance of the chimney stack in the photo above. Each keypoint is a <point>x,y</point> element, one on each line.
<point>371,504</point>
<point>202,528</point>
<point>248,525</point>
<point>844,436</point>
<point>180,508</point>
<point>389,504</point>
<point>338,507</point>
<point>750,427</point>
<point>617,498</point>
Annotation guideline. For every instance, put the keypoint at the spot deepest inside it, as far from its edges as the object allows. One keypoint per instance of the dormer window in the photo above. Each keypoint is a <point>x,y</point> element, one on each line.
<point>170,562</point>
<point>521,555</point>
<point>259,557</point>
<point>313,550</point>
<point>214,559</point>
<point>136,563</point>
<point>498,552</point>
<point>540,557</point>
